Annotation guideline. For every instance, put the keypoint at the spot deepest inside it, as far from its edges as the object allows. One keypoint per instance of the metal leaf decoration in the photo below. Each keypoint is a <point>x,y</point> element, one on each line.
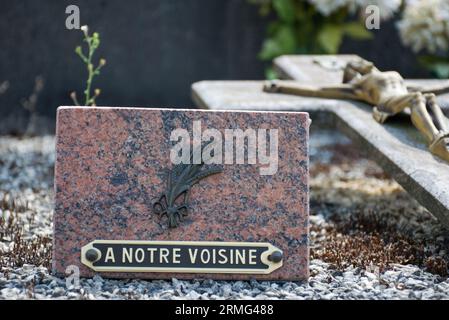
<point>173,203</point>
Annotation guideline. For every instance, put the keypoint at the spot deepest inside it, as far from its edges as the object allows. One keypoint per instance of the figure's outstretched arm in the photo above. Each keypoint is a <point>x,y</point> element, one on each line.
<point>435,89</point>
<point>342,91</point>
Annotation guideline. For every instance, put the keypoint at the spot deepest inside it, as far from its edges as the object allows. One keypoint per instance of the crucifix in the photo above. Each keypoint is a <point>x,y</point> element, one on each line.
<point>388,94</point>
<point>401,150</point>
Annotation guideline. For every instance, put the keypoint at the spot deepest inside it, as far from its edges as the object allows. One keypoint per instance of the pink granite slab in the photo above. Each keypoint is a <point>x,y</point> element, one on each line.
<point>111,165</point>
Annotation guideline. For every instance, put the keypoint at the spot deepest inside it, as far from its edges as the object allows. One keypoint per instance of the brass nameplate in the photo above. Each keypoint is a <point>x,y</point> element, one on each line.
<point>181,256</point>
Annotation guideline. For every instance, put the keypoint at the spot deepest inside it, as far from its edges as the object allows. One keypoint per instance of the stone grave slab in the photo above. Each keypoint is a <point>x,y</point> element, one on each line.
<point>121,210</point>
<point>396,146</point>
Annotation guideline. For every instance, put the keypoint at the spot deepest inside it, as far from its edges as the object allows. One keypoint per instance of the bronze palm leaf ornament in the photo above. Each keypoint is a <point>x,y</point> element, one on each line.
<point>173,203</point>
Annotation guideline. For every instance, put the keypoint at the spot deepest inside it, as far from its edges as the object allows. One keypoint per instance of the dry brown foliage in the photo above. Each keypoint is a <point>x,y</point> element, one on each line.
<point>35,250</point>
<point>366,238</point>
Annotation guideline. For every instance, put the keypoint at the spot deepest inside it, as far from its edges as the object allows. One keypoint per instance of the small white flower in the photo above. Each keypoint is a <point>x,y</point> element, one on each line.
<point>85,29</point>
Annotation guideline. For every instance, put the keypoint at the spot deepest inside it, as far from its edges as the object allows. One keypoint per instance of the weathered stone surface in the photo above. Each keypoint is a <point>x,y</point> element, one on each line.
<point>111,166</point>
<point>397,146</point>
<point>308,69</point>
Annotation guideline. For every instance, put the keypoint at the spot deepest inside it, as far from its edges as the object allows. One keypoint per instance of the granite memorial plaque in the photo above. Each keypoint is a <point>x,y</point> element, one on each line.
<point>159,193</point>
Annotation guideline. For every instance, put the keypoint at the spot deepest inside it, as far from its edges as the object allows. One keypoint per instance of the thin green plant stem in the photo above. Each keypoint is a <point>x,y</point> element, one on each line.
<point>93,42</point>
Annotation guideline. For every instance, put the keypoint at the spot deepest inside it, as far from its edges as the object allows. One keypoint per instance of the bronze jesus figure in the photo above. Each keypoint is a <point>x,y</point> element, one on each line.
<point>388,94</point>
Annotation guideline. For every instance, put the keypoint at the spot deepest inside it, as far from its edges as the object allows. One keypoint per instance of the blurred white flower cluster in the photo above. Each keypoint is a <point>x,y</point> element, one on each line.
<point>326,7</point>
<point>425,25</point>
<point>386,7</point>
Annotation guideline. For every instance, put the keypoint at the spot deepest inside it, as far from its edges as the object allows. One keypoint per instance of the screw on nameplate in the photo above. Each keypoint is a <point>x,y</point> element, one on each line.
<point>276,256</point>
<point>92,255</point>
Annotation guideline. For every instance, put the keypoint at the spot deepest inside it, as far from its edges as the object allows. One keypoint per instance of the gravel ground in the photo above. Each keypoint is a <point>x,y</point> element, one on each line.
<point>408,262</point>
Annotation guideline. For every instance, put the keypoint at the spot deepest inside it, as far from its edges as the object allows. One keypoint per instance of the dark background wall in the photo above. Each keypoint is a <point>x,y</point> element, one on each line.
<point>154,49</point>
